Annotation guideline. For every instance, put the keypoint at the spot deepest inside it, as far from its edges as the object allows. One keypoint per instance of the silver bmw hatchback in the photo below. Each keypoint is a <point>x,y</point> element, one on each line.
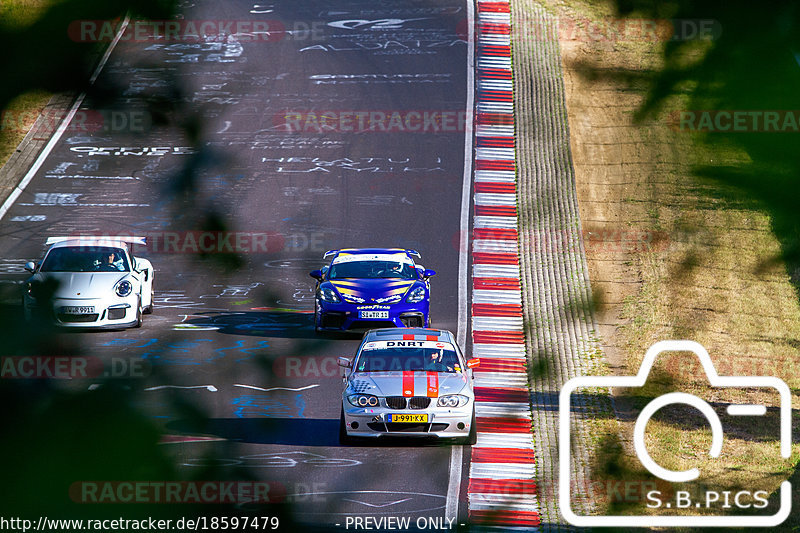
<point>412,382</point>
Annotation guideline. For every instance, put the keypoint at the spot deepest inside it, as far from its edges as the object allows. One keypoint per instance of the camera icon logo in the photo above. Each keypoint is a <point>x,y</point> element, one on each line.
<point>715,380</point>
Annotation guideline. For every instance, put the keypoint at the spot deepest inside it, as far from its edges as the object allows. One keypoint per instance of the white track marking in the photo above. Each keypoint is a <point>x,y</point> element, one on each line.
<point>210,388</point>
<point>276,388</point>
<point>456,452</point>
<point>377,505</point>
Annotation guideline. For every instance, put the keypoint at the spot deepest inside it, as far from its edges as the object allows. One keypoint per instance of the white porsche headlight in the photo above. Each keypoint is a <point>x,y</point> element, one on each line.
<point>123,288</point>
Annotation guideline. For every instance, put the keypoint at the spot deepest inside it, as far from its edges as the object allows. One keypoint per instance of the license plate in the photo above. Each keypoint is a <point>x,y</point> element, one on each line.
<point>77,310</point>
<point>373,314</point>
<point>408,418</point>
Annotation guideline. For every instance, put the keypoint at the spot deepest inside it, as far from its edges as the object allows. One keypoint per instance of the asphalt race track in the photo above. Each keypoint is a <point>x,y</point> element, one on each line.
<point>278,133</point>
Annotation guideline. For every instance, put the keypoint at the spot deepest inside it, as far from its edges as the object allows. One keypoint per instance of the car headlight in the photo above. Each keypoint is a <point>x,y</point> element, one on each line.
<point>452,400</point>
<point>363,400</point>
<point>417,294</point>
<point>124,288</point>
<point>31,289</point>
<point>329,295</point>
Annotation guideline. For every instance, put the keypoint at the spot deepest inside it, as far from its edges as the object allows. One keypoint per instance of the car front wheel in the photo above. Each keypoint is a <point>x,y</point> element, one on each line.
<point>148,310</point>
<point>317,329</point>
<point>139,319</point>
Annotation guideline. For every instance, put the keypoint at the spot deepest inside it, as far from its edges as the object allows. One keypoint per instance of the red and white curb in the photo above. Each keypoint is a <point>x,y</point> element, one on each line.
<point>502,491</point>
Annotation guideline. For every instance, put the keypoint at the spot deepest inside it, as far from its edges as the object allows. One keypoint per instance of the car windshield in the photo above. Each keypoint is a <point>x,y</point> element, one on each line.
<point>372,270</point>
<point>405,359</point>
<point>85,259</point>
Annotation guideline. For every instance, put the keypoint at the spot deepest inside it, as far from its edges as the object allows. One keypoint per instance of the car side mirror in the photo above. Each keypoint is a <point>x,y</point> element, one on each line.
<point>472,363</point>
<point>30,266</point>
<point>428,273</point>
<point>344,362</point>
<point>316,274</point>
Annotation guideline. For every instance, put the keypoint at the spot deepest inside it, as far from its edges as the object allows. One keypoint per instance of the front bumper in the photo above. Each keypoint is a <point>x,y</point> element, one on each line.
<point>443,422</point>
<point>344,316</point>
<point>108,313</point>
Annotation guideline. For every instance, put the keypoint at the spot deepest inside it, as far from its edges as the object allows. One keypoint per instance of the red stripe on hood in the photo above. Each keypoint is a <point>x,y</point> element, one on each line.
<point>433,384</point>
<point>408,383</point>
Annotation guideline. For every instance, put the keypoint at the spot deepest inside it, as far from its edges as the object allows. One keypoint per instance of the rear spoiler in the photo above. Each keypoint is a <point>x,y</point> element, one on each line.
<point>409,252</point>
<point>98,239</point>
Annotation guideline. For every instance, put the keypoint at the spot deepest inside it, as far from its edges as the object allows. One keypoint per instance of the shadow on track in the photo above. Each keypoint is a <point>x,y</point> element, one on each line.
<point>285,431</point>
<point>275,324</point>
<point>281,324</point>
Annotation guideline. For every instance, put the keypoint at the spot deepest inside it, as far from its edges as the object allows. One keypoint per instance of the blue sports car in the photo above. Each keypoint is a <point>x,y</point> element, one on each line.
<point>367,288</point>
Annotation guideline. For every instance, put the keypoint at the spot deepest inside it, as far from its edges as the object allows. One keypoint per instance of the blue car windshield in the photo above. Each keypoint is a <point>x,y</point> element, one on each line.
<point>85,259</point>
<point>372,270</point>
<point>408,359</point>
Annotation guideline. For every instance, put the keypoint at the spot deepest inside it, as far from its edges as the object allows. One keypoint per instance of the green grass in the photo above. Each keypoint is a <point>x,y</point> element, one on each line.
<point>17,119</point>
<point>21,12</point>
<point>724,278</point>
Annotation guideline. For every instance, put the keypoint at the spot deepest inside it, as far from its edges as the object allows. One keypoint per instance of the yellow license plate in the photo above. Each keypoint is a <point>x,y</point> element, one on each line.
<point>409,418</point>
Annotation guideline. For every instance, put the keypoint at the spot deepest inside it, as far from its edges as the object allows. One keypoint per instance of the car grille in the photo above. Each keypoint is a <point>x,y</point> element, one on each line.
<point>78,318</point>
<point>412,320</point>
<point>403,426</point>
<point>419,402</point>
<point>332,320</point>
<point>396,402</point>
<point>116,313</point>
<point>399,402</point>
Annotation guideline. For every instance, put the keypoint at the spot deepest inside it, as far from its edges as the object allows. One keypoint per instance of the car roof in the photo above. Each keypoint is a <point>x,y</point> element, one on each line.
<point>419,334</point>
<point>373,251</point>
<point>90,243</point>
<point>115,241</point>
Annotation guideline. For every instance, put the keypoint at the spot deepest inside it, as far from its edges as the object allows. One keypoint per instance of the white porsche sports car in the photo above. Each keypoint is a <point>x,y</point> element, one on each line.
<point>90,282</point>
